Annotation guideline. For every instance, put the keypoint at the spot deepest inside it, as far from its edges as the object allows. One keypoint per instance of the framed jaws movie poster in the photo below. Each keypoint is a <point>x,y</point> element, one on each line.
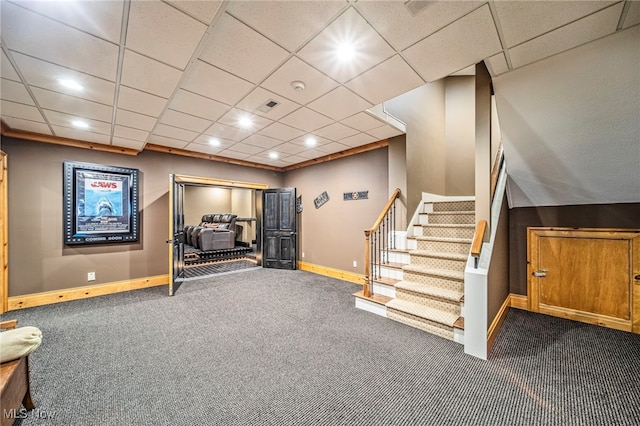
<point>100,204</point>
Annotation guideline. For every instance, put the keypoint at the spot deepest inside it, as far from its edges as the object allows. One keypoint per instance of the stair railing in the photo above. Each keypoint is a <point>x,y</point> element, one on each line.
<point>379,239</point>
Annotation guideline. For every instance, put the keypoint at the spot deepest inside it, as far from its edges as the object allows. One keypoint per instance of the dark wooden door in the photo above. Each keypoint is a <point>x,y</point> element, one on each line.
<point>176,234</point>
<point>279,234</point>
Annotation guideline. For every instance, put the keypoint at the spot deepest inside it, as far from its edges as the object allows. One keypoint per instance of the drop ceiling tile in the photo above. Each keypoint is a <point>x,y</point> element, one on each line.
<point>100,18</point>
<point>333,147</point>
<point>81,135</point>
<point>234,154</point>
<point>362,121</point>
<point>350,28</point>
<point>238,49</point>
<point>290,148</point>
<point>26,112</point>
<point>316,83</point>
<point>261,141</point>
<point>216,84</point>
<point>27,125</point>
<point>289,24</point>
<point>306,119</point>
<point>74,106</point>
<point>293,159</point>
<point>463,43</point>
<point>6,69</point>
<point>524,20</point>
<point>388,80</point>
<point>147,75</point>
<point>402,28</point>
<point>572,35</point>
<point>219,145</point>
<point>339,103</point>
<point>203,149</point>
<point>359,139</point>
<point>191,103</point>
<point>127,143</point>
<point>384,132</point>
<point>130,133</point>
<point>16,92</point>
<point>302,141</point>
<point>223,131</point>
<point>281,131</point>
<point>162,32</point>
<point>46,75</point>
<point>57,43</point>
<point>165,141</point>
<point>234,115</point>
<point>144,103</point>
<point>246,149</point>
<point>336,131</point>
<point>259,97</point>
<point>265,159</point>
<point>61,119</point>
<point>633,15</point>
<point>135,120</point>
<point>185,121</point>
<point>497,64</point>
<point>204,11</point>
<point>310,154</point>
<point>174,132</point>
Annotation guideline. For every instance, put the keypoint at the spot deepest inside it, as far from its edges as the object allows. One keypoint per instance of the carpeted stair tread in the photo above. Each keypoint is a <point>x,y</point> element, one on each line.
<point>447,225</point>
<point>452,212</point>
<point>439,255</point>
<point>443,273</point>
<point>430,291</point>
<point>445,239</point>
<point>422,311</point>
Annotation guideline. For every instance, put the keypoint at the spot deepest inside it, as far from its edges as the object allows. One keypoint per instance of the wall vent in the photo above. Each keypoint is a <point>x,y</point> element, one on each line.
<point>418,6</point>
<point>268,106</point>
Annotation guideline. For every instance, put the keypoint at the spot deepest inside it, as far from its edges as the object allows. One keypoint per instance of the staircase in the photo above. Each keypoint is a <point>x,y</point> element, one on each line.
<point>424,284</point>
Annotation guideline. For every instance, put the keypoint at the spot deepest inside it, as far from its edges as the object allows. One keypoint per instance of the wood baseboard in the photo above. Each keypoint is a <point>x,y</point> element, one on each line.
<point>519,301</point>
<point>57,296</point>
<point>496,324</point>
<point>352,277</point>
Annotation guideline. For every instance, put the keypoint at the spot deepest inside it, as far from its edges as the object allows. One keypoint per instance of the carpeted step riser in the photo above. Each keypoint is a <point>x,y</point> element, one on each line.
<point>454,206</point>
<point>448,232</point>
<point>451,219</point>
<point>441,282</point>
<point>438,263</point>
<point>444,246</point>
<point>448,306</point>
<point>421,323</point>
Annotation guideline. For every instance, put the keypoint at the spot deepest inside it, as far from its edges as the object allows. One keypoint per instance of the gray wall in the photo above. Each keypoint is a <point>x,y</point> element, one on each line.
<point>398,177</point>
<point>498,279</point>
<point>201,200</point>
<point>460,135</point>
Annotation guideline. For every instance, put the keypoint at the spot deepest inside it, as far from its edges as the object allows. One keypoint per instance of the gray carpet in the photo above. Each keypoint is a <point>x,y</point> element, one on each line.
<point>268,347</point>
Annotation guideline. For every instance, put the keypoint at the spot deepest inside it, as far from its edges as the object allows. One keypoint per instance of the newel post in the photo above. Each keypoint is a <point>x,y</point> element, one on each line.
<point>366,288</point>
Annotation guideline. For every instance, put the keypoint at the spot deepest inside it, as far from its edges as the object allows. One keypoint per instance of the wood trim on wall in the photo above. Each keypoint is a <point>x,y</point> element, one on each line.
<point>4,234</point>
<point>351,277</point>
<point>341,154</point>
<point>57,296</point>
<point>519,301</point>
<point>496,324</point>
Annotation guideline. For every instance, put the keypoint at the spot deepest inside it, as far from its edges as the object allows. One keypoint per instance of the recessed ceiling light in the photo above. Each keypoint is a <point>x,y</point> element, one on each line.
<point>245,122</point>
<point>80,124</point>
<point>70,84</point>
<point>310,141</point>
<point>273,155</point>
<point>214,142</point>
<point>345,52</point>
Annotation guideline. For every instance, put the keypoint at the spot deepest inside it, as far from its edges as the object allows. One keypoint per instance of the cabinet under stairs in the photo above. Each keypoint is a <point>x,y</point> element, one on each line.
<point>423,285</point>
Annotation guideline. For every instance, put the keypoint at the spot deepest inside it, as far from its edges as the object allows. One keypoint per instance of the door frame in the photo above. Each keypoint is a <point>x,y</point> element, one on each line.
<point>4,234</point>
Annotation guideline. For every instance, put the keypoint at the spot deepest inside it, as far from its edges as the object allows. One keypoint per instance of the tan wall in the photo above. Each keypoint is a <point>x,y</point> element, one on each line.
<point>333,235</point>
<point>201,200</point>
<point>398,177</point>
<point>243,205</point>
<point>38,261</point>
<point>460,135</point>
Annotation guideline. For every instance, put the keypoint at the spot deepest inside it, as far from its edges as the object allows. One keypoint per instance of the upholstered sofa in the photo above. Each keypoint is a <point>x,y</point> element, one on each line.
<point>215,232</point>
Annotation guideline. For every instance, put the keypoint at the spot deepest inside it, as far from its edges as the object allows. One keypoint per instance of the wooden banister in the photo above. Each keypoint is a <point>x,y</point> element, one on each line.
<point>476,245</point>
<point>385,210</point>
<point>495,172</point>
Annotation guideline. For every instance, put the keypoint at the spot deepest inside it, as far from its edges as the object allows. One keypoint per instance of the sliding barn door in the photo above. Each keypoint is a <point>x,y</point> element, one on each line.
<point>279,235</point>
<point>176,234</point>
<point>588,275</point>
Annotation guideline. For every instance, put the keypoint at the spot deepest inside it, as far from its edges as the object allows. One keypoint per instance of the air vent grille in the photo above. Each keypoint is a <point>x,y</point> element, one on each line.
<point>418,6</point>
<point>268,106</point>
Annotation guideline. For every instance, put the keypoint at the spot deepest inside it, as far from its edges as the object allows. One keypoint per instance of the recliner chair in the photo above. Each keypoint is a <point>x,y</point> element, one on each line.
<point>220,234</point>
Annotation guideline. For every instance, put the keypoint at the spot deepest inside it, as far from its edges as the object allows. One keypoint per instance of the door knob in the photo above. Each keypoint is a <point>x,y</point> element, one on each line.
<point>540,274</point>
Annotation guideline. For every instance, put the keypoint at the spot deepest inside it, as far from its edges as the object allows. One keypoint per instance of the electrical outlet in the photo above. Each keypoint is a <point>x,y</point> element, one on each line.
<point>91,276</point>
<point>302,254</point>
<point>355,264</point>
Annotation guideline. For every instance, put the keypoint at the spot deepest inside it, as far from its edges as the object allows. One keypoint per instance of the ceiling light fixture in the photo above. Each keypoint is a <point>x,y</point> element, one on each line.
<point>245,122</point>
<point>345,52</point>
<point>310,141</point>
<point>214,142</point>
<point>297,85</point>
<point>70,84</point>
<point>80,124</point>
<point>273,155</point>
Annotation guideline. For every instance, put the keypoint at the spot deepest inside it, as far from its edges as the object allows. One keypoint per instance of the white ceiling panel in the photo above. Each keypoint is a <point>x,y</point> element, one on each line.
<point>316,83</point>
<point>27,125</point>
<point>306,119</point>
<point>288,23</point>
<point>246,149</point>
<point>497,64</point>
<point>215,143</point>
<point>162,32</point>
<point>16,92</point>
<point>359,139</point>
<point>174,132</point>
<point>100,18</point>
<point>259,97</point>
<point>185,121</point>
<point>81,135</point>
<point>340,103</point>
<point>165,141</point>
<point>590,28</point>
<point>127,143</point>
<point>633,14</point>
<point>389,79</point>
<point>463,43</point>
<point>61,119</point>
<point>144,103</point>
<point>240,50</point>
<point>290,148</point>
<point>349,29</point>
<point>204,11</point>
<point>216,84</point>
<point>204,149</point>
<point>135,120</point>
<point>281,131</point>
<point>71,105</point>
<point>234,154</point>
<point>333,147</point>
<point>401,28</point>
<point>137,69</point>
<point>47,76</point>
<point>197,105</point>
<point>7,69</point>
<point>27,32</point>
<point>524,20</point>
<point>234,116</point>
<point>14,109</point>
<point>335,131</point>
<point>302,141</point>
<point>223,131</point>
<point>261,141</point>
<point>130,133</point>
<point>362,121</point>
<point>293,159</point>
<point>384,132</point>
